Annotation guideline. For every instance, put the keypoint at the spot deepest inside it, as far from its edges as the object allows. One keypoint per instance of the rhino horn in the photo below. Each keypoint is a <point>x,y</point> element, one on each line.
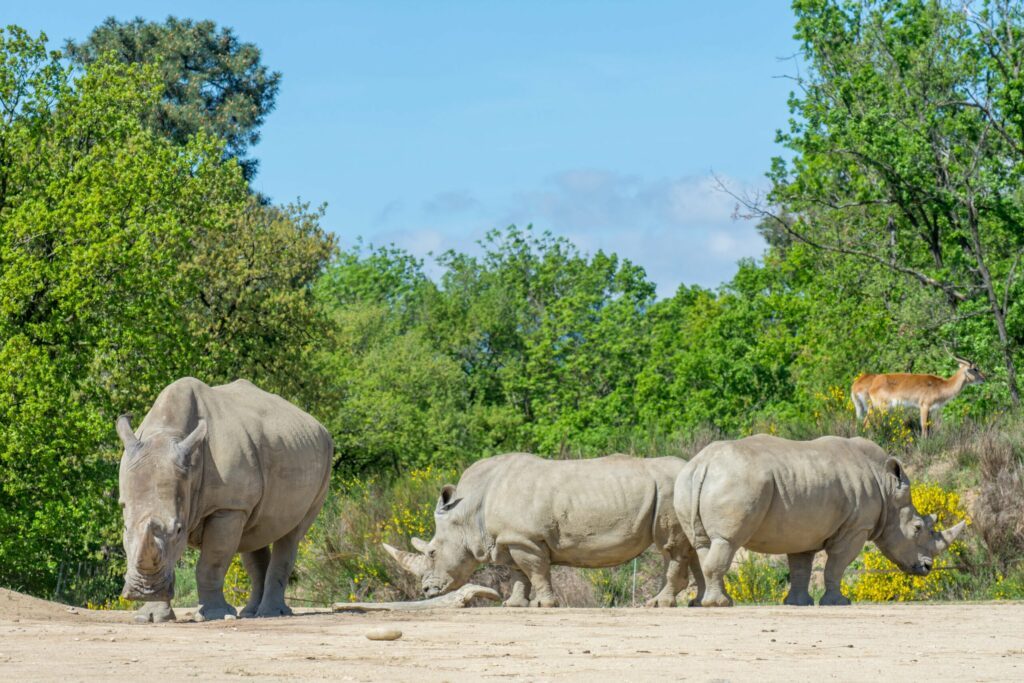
<point>125,432</point>
<point>148,557</point>
<point>420,545</point>
<point>950,534</point>
<point>410,562</point>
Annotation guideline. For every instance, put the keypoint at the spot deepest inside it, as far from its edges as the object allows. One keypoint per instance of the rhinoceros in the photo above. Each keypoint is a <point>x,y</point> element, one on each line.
<point>772,495</point>
<point>224,469</point>
<point>528,513</point>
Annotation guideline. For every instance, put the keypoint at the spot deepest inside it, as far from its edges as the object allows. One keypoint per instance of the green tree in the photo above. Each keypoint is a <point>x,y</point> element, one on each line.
<point>126,261</point>
<point>213,82</point>
<point>894,165</point>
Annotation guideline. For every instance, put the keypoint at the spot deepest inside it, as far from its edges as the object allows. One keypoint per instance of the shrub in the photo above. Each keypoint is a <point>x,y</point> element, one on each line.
<point>879,580</point>
<point>757,580</point>
<point>341,558</point>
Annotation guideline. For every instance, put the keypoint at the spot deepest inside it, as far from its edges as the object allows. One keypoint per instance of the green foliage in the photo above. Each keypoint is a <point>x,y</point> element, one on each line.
<point>212,82</point>
<point>126,261</point>
<point>341,558</point>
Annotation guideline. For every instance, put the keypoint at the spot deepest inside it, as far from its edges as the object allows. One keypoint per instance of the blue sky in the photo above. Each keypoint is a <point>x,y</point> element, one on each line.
<point>426,124</point>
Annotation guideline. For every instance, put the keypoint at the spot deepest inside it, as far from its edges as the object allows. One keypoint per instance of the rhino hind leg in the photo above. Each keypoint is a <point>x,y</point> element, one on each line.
<point>520,590</point>
<point>698,577</point>
<point>714,562</point>
<point>282,561</point>
<point>155,612</point>
<point>675,581</point>
<point>256,564</point>
<point>800,566</point>
<point>841,553</point>
<point>220,540</point>
<point>536,564</point>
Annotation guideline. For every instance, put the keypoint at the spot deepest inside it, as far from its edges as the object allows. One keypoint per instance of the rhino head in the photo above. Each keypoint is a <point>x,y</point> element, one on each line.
<point>907,538</point>
<point>155,484</point>
<point>446,562</point>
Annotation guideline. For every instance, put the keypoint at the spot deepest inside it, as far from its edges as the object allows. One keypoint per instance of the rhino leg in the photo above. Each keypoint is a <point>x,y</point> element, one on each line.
<point>154,612</point>
<point>676,579</point>
<point>841,553</point>
<point>715,562</point>
<point>221,534</point>
<point>520,590</point>
<point>698,577</point>
<point>256,564</point>
<point>800,565</point>
<point>535,563</point>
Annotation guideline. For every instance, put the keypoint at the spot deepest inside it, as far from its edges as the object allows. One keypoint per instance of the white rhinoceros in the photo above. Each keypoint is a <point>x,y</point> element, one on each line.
<point>224,469</point>
<point>771,495</point>
<point>529,513</point>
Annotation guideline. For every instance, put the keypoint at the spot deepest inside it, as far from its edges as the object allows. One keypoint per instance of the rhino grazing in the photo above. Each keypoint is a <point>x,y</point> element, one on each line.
<point>771,495</point>
<point>529,513</point>
<point>224,469</point>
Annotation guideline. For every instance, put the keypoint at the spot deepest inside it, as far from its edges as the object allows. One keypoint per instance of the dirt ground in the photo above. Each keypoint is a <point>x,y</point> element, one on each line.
<point>42,641</point>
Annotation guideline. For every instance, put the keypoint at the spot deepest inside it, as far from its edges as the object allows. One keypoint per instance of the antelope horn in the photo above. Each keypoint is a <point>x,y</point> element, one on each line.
<point>416,565</point>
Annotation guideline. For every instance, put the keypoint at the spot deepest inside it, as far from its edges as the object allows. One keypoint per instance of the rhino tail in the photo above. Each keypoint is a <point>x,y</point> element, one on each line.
<point>697,530</point>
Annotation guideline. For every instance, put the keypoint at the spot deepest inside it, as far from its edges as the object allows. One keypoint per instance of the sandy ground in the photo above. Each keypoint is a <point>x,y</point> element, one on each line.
<point>41,641</point>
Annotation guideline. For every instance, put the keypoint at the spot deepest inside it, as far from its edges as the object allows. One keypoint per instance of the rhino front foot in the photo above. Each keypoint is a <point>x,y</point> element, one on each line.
<point>544,601</point>
<point>835,598</point>
<point>215,612</point>
<point>798,599</point>
<point>154,612</point>
<point>274,610</point>
<point>716,600</point>
<point>661,601</point>
<point>516,601</point>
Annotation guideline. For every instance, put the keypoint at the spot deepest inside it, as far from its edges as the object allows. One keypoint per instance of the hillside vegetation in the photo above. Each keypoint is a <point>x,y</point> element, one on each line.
<point>132,254</point>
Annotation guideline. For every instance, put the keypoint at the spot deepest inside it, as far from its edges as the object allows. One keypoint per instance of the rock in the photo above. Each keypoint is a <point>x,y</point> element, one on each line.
<point>383,633</point>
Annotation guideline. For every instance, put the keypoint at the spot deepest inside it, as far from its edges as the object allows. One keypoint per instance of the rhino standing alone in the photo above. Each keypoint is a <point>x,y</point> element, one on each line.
<point>224,469</point>
<point>529,513</point>
<point>772,495</point>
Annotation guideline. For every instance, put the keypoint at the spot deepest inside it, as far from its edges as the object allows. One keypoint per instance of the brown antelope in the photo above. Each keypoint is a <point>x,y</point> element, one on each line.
<point>901,389</point>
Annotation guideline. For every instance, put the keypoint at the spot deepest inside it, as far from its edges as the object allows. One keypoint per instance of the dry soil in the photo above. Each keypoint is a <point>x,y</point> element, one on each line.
<point>42,641</point>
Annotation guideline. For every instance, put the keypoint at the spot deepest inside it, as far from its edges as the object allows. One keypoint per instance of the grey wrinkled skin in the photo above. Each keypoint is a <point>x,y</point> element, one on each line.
<point>529,513</point>
<point>776,496</point>
<point>224,469</point>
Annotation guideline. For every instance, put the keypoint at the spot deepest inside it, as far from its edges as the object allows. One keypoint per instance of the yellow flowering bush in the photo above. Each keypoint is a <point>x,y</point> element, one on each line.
<point>879,580</point>
<point>889,429</point>
<point>757,580</point>
<point>342,558</point>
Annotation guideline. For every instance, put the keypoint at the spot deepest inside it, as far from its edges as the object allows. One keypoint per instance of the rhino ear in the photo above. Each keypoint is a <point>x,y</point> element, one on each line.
<point>187,446</point>
<point>420,545</point>
<point>895,468</point>
<point>417,565</point>
<point>447,500</point>
<point>125,432</point>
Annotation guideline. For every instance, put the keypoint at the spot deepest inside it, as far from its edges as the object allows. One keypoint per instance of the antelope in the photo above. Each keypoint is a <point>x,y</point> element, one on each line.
<point>901,389</point>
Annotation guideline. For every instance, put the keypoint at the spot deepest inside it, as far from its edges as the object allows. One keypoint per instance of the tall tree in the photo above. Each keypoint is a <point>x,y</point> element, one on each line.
<point>896,164</point>
<point>213,81</point>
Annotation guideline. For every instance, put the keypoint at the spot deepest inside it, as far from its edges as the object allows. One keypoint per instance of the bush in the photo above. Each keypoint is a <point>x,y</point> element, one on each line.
<point>341,558</point>
<point>757,580</point>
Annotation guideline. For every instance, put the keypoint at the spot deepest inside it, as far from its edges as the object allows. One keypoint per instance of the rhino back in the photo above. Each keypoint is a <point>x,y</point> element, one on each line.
<point>589,513</point>
<point>795,495</point>
<point>262,454</point>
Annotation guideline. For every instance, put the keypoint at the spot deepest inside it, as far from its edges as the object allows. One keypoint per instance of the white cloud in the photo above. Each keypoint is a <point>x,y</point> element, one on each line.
<point>680,230</point>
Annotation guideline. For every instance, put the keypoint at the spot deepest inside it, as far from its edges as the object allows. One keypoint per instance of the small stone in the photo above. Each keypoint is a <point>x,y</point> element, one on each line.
<point>229,617</point>
<point>383,633</point>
